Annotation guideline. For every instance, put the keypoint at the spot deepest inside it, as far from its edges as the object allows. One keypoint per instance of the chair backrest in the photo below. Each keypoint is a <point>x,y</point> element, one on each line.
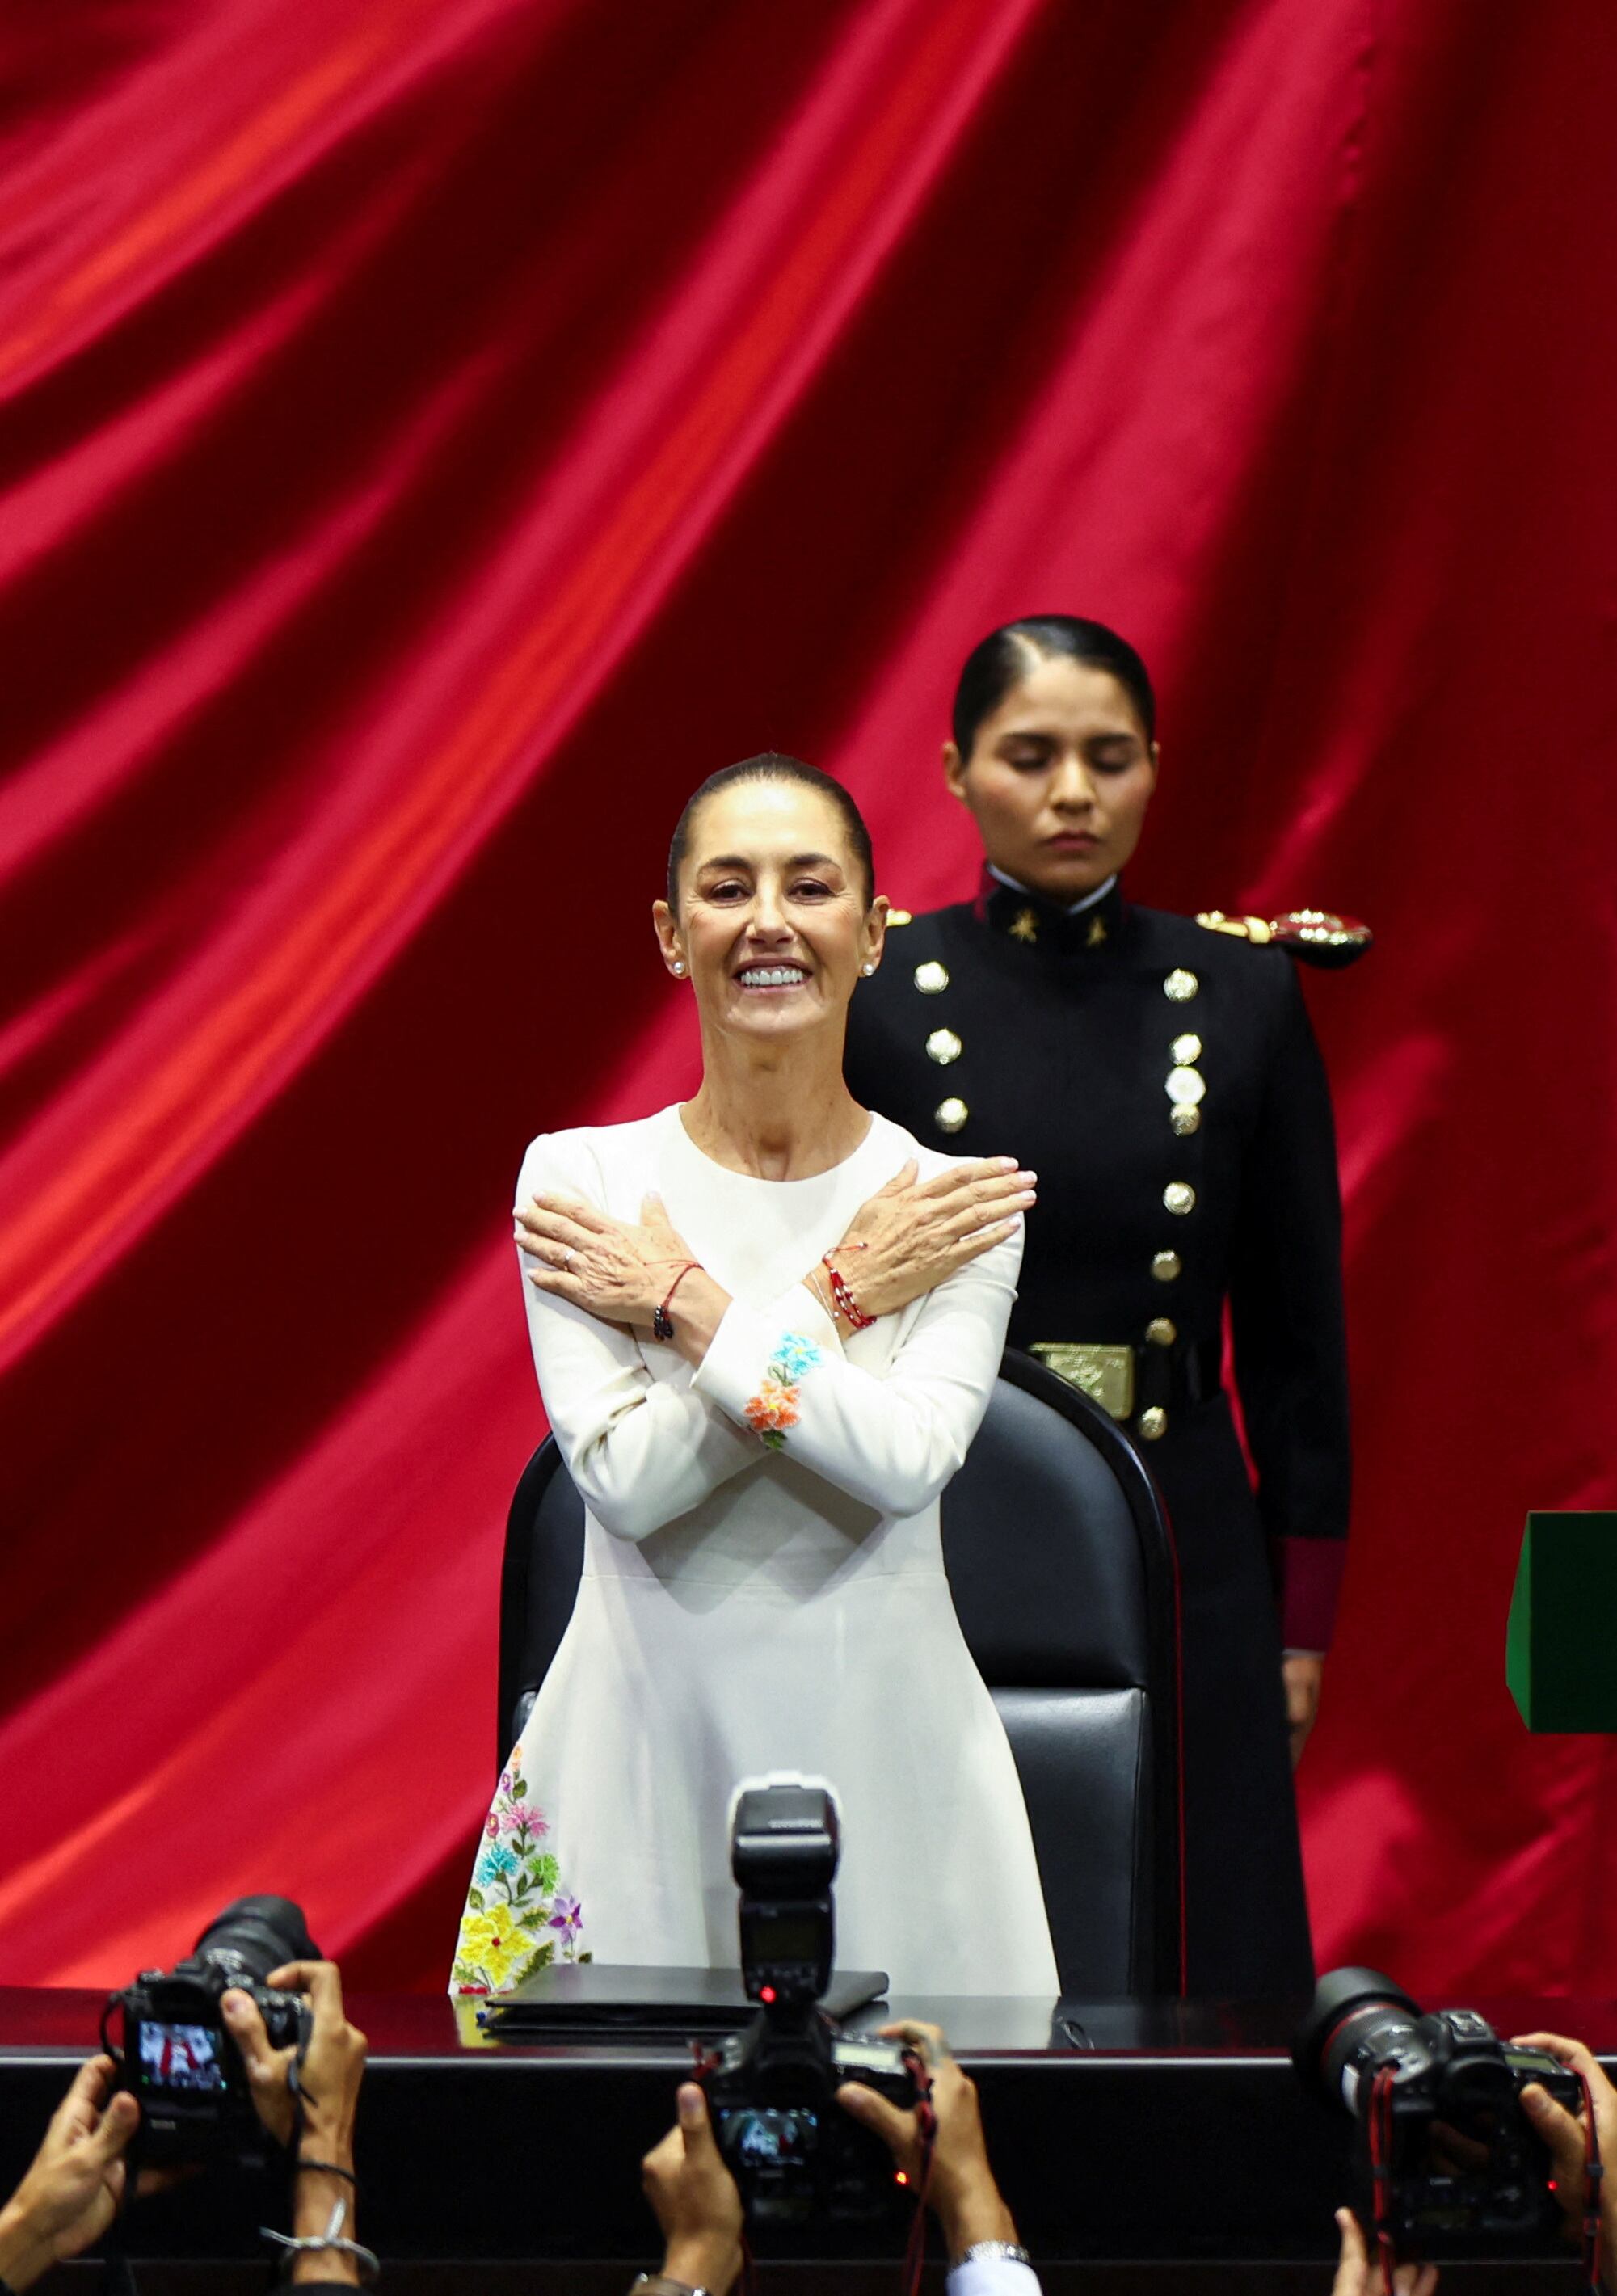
<point>1061,1566</point>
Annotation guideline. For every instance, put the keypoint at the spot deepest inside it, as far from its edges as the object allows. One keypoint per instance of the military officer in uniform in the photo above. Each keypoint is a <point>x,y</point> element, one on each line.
<point>1160,1076</point>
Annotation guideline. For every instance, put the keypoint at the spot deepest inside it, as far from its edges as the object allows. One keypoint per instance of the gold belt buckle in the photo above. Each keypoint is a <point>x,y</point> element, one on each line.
<point>1104,1374</point>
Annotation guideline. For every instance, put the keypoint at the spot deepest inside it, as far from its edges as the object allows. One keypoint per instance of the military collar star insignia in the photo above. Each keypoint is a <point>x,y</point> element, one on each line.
<point>1041,925</point>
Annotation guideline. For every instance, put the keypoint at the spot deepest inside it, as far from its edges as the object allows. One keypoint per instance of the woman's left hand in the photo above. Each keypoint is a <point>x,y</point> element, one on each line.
<point>1302,1673</point>
<point>607,1266</point>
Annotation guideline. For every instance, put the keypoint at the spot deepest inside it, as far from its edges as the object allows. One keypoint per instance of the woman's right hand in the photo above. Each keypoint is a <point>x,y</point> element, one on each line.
<point>913,1234</point>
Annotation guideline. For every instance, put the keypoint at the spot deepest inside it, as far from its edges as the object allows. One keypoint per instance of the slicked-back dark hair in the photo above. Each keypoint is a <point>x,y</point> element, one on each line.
<point>1006,656</point>
<point>773,766</point>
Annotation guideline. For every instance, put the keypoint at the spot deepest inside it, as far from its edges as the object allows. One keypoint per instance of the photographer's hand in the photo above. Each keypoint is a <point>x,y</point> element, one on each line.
<point>72,2190</point>
<point>333,2063</point>
<point>320,2115</point>
<point>695,2201</point>
<point>1566,2135</point>
<point>961,2191</point>
<point>1354,2277</point>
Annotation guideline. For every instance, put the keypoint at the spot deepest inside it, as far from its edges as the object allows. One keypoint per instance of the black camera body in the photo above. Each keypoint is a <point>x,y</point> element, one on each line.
<point>178,2058</point>
<point>794,2153</point>
<point>1435,2100</point>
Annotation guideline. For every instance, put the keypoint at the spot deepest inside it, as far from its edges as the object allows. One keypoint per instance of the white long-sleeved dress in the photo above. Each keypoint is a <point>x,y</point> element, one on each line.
<point>763,1588</point>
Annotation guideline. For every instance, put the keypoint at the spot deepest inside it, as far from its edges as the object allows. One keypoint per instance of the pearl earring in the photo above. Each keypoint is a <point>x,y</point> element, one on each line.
<point>867,969</point>
<point>679,969</point>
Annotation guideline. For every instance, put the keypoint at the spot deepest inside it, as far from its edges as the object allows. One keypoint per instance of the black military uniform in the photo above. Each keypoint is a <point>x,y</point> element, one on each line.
<point>1162,1080</point>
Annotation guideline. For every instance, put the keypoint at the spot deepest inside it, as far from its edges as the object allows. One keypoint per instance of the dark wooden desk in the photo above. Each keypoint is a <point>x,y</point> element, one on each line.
<point>1161,2131</point>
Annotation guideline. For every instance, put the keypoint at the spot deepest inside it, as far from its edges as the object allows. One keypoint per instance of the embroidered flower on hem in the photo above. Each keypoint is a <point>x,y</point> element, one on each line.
<point>496,1947</point>
<point>496,1862</point>
<point>518,1815</point>
<point>518,1919</point>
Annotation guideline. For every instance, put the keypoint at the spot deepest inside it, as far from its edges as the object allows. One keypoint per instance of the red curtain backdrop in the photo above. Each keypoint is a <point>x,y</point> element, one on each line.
<point>434,434</point>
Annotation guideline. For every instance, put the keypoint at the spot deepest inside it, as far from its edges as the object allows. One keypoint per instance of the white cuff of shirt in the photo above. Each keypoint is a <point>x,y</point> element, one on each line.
<point>732,1371</point>
<point>992,2276</point>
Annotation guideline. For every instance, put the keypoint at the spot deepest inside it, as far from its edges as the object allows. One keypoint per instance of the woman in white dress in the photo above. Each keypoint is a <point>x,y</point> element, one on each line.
<point>766,1325</point>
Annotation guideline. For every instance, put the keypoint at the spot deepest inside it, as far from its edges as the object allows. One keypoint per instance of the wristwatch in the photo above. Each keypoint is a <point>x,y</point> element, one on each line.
<point>1006,2250</point>
<point>658,2284</point>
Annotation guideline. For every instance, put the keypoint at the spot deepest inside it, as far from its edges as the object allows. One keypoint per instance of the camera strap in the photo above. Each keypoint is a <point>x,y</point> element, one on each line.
<point>1381,2172</point>
<point>1594,2171</point>
<point>117,2272</point>
<point>926,2125</point>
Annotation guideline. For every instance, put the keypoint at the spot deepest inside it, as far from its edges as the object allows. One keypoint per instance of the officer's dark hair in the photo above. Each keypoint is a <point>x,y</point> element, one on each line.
<point>772,765</point>
<point>1006,656</point>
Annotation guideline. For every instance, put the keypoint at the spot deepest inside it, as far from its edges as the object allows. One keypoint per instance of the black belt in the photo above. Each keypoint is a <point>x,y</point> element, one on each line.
<point>1138,1384</point>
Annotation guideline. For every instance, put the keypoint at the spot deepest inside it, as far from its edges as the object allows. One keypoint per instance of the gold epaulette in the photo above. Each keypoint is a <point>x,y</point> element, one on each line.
<point>1312,935</point>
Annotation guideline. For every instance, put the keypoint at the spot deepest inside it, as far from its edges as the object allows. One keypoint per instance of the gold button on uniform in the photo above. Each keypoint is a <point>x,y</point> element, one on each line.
<point>1165,1265</point>
<point>1180,986</point>
<point>943,1046</point>
<point>949,1115</point>
<point>1161,1330</point>
<point>1187,1049</point>
<point>931,977</point>
<point>1186,1087</point>
<point>1179,1197</point>
<point>1186,1120</point>
<point>1153,1422</point>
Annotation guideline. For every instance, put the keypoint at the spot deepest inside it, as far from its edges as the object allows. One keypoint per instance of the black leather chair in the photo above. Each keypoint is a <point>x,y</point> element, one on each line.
<point>1062,1566</point>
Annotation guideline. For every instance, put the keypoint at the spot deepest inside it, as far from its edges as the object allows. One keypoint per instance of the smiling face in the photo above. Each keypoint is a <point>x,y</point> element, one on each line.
<point>775,918</point>
<point>1059,778</point>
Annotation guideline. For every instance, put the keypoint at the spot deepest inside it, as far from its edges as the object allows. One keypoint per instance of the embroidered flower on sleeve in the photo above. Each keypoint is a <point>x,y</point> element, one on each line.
<point>793,1357</point>
<point>774,1407</point>
<point>772,1410</point>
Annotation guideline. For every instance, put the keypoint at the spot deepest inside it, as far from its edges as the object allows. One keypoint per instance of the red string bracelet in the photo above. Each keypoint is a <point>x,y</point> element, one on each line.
<point>843,1299</point>
<point>662,1322</point>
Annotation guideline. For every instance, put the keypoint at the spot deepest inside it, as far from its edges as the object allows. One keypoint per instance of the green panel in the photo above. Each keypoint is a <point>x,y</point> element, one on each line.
<point>1561,1648</point>
<point>1519,1631</point>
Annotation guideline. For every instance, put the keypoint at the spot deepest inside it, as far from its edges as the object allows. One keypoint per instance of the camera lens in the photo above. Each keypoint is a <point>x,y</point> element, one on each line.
<point>254,1935</point>
<point>1357,2017</point>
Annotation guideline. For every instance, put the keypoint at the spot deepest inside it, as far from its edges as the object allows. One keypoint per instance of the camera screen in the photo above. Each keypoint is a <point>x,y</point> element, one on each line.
<point>785,1936</point>
<point>180,2056</point>
<point>769,2137</point>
